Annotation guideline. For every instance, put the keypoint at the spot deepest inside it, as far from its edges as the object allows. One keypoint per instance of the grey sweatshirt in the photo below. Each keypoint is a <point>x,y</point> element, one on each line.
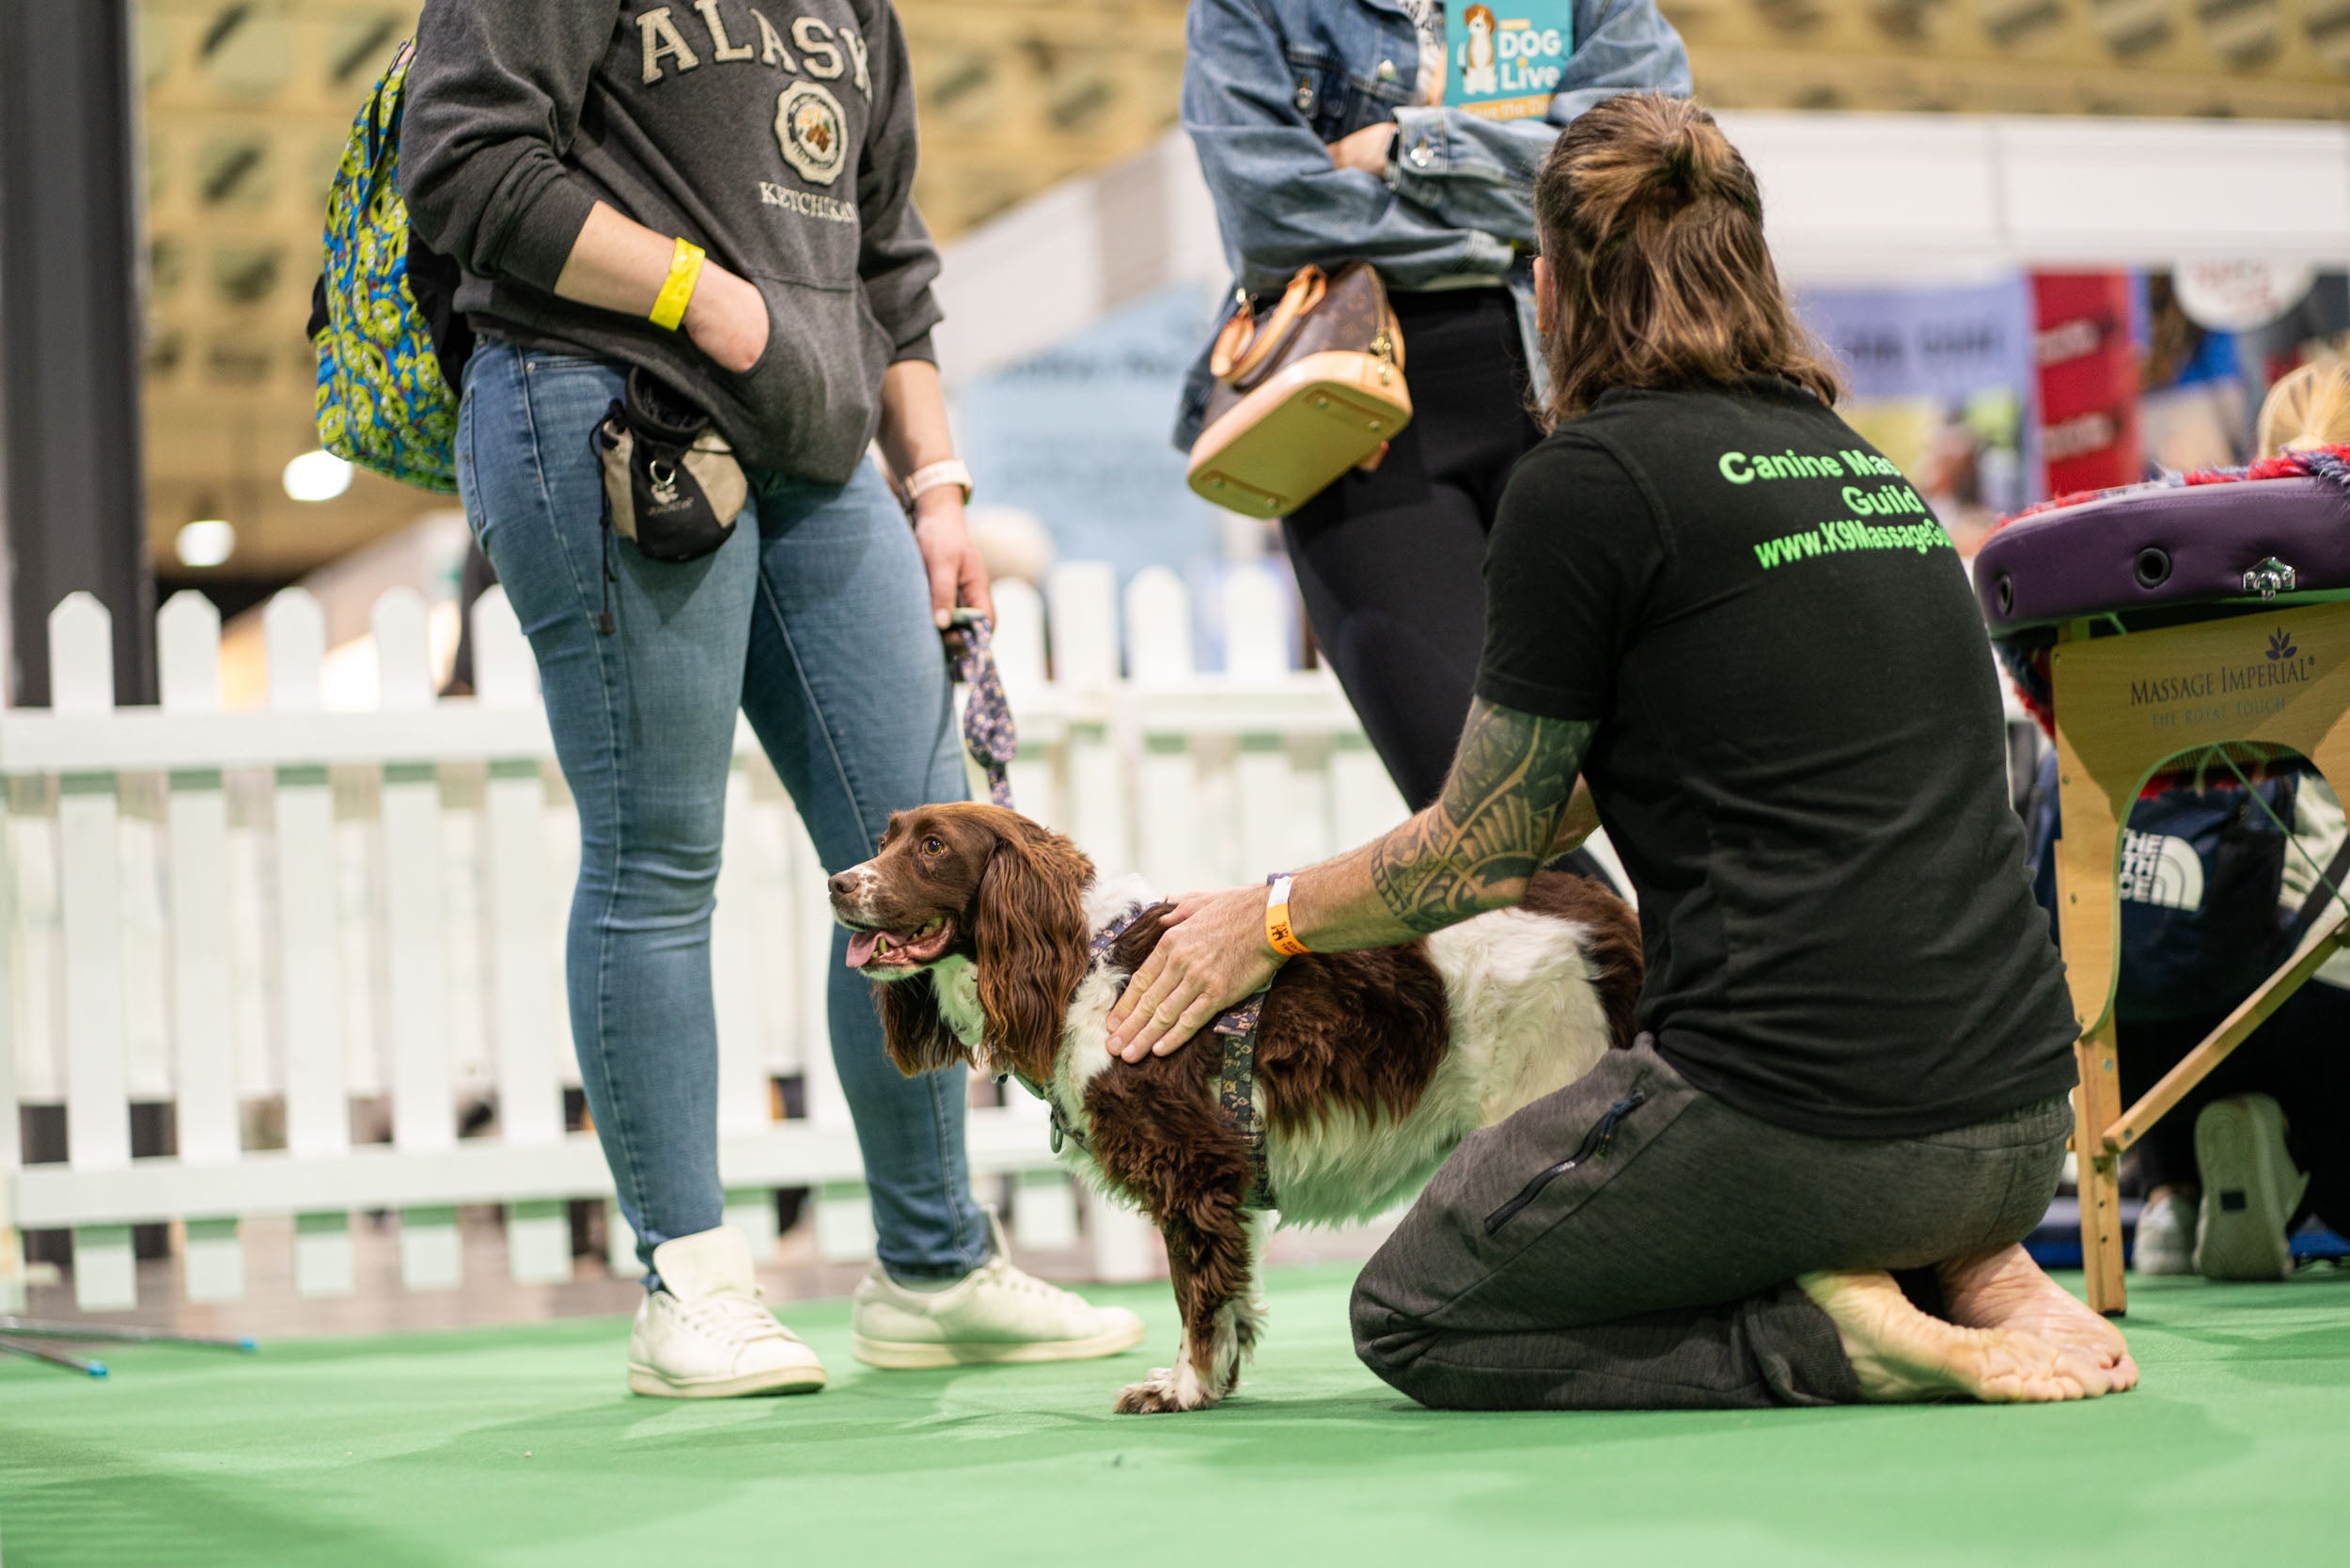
<point>778,136</point>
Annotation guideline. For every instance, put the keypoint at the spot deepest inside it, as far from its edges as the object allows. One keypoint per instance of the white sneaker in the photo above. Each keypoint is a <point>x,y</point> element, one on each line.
<point>2166,1237</point>
<point>706,1334</point>
<point>2250,1189</point>
<point>996,1313</point>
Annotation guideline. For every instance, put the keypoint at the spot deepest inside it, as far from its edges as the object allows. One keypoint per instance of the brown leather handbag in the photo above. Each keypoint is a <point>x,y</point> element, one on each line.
<point>1314,390</point>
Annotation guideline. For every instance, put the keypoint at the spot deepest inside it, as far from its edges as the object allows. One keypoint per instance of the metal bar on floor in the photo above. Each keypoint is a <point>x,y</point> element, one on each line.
<point>30,1328</point>
<point>54,1357</point>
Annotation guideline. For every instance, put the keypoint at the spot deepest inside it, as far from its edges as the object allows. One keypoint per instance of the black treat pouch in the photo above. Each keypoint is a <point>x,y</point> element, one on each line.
<point>670,480</point>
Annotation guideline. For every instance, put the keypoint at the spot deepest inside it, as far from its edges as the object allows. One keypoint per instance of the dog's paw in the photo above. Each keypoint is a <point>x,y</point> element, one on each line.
<point>1162,1391</point>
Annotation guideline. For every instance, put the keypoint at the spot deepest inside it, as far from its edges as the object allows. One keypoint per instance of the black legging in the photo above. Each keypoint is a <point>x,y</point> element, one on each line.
<point>1390,563</point>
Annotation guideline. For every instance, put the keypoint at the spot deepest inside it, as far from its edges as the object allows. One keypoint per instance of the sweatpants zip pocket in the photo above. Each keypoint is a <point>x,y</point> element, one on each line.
<point>1594,1144</point>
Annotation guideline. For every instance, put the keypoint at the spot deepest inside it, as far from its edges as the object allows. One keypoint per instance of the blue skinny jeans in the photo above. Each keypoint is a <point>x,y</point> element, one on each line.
<point>814,619</point>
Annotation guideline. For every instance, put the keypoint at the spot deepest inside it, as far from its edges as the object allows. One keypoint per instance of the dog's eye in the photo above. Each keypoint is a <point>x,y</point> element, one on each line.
<point>934,845</point>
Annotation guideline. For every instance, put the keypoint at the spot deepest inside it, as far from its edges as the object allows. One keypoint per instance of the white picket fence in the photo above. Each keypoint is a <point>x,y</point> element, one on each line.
<point>325,918</point>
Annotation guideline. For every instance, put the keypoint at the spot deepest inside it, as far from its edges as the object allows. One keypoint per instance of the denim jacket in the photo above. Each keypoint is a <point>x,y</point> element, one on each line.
<point>1268,83</point>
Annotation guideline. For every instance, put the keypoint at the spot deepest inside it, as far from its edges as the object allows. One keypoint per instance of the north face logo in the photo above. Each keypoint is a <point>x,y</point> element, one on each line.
<point>2161,870</point>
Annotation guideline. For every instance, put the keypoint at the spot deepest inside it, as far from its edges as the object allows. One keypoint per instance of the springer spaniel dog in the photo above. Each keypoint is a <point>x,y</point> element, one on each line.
<point>993,944</point>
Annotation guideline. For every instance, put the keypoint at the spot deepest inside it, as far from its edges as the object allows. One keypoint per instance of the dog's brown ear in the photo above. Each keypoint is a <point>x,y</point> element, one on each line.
<point>913,1033</point>
<point>1027,925</point>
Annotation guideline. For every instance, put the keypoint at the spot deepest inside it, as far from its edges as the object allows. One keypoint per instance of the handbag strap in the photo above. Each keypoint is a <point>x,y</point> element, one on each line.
<point>1241,349</point>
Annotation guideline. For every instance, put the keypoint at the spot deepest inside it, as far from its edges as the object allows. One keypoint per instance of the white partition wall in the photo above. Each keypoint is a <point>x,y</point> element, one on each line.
<point>361,922</point>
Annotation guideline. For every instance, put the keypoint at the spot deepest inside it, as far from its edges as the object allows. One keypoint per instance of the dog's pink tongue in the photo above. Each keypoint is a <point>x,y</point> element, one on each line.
<point>861,945</point>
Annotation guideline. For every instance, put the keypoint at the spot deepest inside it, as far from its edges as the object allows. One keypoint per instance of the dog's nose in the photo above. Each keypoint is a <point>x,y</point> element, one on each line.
<point>842,885</point>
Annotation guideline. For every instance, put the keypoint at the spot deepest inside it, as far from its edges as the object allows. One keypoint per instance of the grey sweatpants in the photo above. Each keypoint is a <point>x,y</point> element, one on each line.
<point>1631,1242</point>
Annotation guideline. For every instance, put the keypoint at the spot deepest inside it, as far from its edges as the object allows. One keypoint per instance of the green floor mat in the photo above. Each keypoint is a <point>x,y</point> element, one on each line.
<point>516,1446</point>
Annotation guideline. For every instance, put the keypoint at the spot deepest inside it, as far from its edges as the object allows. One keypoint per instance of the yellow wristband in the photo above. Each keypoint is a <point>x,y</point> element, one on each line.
<point>1278,935</point>
<point>677,290</point>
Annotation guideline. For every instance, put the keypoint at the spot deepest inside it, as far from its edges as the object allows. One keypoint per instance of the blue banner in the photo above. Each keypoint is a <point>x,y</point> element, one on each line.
<point>1078,435</point>
<point>1938,342</point>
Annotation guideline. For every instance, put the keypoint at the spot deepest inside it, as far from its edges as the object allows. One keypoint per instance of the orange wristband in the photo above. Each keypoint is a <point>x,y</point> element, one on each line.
<point>1278,933</point>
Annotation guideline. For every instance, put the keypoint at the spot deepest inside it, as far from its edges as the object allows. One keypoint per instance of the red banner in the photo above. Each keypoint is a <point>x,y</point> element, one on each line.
<point>2088,380</point>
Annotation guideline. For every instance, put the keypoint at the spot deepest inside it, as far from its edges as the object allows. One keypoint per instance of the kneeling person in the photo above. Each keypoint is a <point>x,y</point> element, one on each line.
<point>1715,600</point>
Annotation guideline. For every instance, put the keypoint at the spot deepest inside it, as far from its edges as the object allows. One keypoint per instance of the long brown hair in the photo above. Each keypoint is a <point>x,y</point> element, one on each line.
<point>1652,228</point>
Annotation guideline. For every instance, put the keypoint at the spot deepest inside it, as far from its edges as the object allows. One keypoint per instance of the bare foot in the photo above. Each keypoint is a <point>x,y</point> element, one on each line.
<point>1899,1354</point>
<point>2004,1289</point>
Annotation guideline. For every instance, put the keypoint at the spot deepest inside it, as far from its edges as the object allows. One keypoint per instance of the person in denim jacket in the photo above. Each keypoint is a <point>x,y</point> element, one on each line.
<point>1320,131</point>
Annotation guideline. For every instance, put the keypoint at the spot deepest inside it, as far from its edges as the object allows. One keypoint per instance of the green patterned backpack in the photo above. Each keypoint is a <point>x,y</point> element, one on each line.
<point>390,346</point>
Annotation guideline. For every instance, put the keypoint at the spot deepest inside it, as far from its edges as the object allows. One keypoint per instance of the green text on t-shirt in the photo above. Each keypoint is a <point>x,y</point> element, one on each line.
<point>1841,535</point>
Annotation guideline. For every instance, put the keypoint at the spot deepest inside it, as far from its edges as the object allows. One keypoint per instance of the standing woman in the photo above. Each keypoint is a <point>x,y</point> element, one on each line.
<point>722,196</point>
<point>1714,601</point>
<point>1322,133</point>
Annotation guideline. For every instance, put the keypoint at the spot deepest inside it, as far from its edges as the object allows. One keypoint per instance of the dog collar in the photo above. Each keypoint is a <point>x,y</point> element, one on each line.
<point>1062,1131</point>
<point>1108,936</point>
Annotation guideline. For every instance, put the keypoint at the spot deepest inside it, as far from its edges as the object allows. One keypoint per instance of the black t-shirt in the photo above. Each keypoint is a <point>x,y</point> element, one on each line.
<point>1799,757</point>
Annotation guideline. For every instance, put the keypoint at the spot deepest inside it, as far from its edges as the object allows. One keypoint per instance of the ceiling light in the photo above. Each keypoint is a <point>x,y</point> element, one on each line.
<point>317,475</point>
<point>207,542</point>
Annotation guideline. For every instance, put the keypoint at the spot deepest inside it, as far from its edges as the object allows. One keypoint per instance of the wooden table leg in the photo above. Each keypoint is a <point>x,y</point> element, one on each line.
<point>2096,1105</point>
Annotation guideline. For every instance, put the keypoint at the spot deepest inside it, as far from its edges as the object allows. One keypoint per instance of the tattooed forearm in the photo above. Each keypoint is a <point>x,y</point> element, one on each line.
<point>1504,811</point>
<point>1499,816</point>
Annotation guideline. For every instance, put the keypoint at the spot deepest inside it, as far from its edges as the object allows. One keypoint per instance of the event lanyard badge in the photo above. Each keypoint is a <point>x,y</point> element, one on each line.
<point>1507,63</point>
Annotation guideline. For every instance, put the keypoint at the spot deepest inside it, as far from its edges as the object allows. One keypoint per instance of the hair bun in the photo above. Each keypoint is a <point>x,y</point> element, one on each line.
<point>1679,168</point>
<point>1695,161</point>
<point>1652,231</point>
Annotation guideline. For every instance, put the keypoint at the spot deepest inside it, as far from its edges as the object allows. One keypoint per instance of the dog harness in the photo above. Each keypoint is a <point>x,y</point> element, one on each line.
<point>1235,1077</point>
<point>988,733</point>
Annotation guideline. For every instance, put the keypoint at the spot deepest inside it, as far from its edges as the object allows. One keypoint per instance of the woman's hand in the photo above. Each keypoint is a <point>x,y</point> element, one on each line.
<point>1366,149</point>
<point>726,319</point>
<point>618,264</point>
<point>1212,955</point>
<point>958,576</point>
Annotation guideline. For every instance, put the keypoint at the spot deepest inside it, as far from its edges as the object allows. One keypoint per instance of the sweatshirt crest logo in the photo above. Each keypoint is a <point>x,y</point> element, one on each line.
<point>809,129</point>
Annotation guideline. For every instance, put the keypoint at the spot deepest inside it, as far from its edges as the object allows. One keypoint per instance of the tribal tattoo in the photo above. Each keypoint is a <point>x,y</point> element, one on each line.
<point>1494,823</point>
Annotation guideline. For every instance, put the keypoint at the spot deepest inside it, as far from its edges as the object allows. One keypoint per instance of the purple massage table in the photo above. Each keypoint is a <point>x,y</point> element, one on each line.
<point>2153,551</point>
<point>2168,621</point>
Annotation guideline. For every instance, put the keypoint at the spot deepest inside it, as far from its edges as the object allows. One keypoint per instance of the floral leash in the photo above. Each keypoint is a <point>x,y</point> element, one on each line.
<point>988,733</point>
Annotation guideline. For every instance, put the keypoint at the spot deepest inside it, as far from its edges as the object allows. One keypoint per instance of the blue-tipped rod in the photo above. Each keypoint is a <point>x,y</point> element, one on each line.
<point>27,1329</point>
<point>34,1351</point>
